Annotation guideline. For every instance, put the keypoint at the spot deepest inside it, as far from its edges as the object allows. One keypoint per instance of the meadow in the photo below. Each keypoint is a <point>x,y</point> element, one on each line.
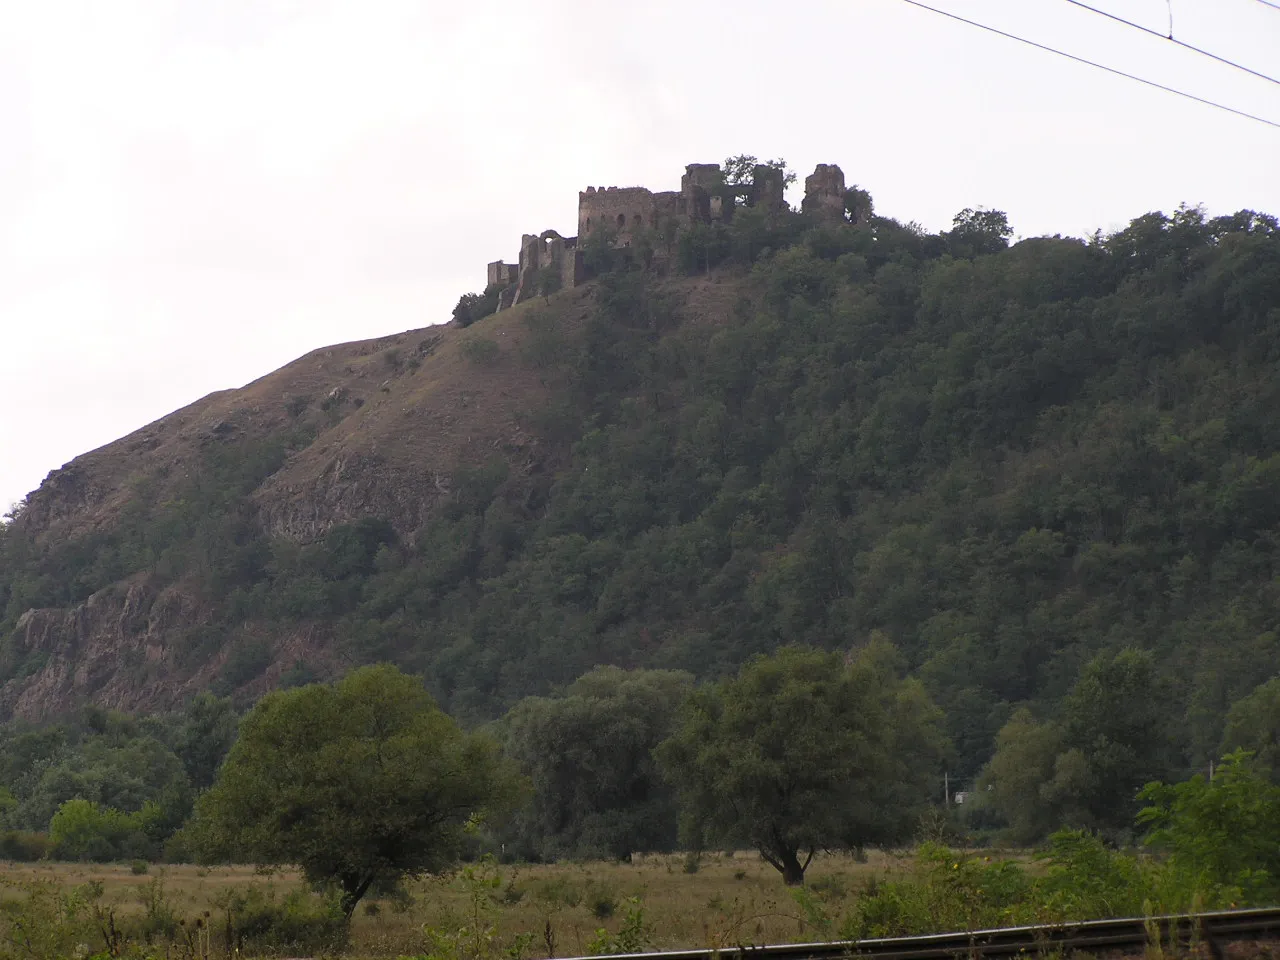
<point>563,910</point>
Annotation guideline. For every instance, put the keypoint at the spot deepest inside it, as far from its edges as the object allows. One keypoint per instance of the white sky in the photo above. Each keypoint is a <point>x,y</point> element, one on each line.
<point>195,192</point>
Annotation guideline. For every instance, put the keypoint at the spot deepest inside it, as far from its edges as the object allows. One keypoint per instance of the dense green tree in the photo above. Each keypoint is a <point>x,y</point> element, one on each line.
<point>206,730</point>
<point>858,205</point>
<point>8,805</point>
<point>549,280</point>
<point>1220,833</point>
<point>600,252</point>
<point>119,767</point>
<point>1084,769</point>
<point>84,830</point>
<point>804,751</point>
<point>977,232</point>
<point>1253,724</point>
<point>596,789</point>
<point>739,171</point>
<point>701,246</point>
<point>1014,782</point>
<point>1117,717</point>
<point>476,306</point>
<point>122,768</point>
<point>360,782</point>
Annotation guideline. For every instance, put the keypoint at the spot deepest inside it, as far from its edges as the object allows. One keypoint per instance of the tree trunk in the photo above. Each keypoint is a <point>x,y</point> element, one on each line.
<point>787,862</point>
<point>792,871</point>
<point>353,888</point>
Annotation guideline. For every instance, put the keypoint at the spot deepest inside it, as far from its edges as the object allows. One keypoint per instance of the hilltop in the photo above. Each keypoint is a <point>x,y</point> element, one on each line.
<point>772,427</point>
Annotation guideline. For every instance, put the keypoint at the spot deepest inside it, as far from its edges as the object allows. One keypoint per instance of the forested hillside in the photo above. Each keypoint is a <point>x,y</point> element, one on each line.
<point>1010,461</point>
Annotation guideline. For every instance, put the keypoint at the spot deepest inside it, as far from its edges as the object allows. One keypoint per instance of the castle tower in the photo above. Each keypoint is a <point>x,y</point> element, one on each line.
<point>501,274</point>
<point>767,187</point>
<point>699,182</point>
<point>824,192</point>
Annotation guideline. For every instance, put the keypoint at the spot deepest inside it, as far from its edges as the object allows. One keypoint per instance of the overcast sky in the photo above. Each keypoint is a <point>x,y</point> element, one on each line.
<point>194,192</point>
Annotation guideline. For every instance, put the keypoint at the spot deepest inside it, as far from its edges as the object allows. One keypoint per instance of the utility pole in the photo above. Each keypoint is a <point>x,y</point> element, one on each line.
<point>946,789</point>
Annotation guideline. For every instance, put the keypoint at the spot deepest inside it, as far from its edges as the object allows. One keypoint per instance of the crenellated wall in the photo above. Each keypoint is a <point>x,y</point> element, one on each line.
<point>625,210</point>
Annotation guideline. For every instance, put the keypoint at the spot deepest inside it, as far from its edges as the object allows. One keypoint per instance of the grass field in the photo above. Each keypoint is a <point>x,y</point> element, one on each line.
<point>729,899</point>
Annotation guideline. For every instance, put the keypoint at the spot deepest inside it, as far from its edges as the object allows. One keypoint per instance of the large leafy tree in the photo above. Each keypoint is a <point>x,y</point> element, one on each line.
<point>1117,718</point>
<point>205,732</point>
<point>803,751</point>
<point>977,232</point>
<point>1224,833</point>
<point>1015,779</point>
<point>1253,724</point>
<point>740,171</point>
<point>113,760</point>
<point>358,782</point>
<point>1084,769</point>
<point>589,755</point>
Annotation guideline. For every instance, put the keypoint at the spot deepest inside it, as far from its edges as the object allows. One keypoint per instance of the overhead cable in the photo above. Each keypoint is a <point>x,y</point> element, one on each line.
<point>1268,3</point>
<point>1171,39</point>
<point>1091,63</point>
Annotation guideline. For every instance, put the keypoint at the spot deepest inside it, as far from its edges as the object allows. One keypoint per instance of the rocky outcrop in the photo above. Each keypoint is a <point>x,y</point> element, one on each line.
<point>112,649</point>
<point>128,647</point>
<point>405,492</point>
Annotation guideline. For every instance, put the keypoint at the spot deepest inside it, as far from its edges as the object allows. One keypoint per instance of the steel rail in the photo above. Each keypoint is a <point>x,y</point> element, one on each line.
<point>1127,933</point>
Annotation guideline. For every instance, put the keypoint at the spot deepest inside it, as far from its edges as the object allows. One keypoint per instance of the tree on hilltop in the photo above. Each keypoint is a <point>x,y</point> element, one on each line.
<point>740,171</point>
<point>858,205</point>
<point>977,232</point>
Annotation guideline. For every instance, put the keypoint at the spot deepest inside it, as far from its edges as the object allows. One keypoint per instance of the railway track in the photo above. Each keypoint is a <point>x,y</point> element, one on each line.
<point>1127,935</point>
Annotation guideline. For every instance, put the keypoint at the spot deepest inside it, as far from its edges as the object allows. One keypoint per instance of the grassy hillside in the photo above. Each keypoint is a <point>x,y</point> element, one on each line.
<point>1006,459</point>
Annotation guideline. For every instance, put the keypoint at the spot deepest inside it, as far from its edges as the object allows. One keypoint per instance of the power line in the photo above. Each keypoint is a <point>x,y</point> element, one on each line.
<point>1170,38</point>
<point>1100,66</point>
<point>1268,3</point>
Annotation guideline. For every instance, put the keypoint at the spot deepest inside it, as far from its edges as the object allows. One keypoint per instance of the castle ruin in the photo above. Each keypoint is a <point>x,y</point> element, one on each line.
<point>703,197</point>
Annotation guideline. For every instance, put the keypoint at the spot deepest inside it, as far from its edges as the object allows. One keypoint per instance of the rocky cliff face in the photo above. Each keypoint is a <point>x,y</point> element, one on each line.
<point>368,429</point>
<point>111,649</point>
<point>123,648</point>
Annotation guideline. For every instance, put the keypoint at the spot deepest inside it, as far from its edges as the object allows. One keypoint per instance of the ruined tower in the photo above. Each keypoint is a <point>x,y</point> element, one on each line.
<point>767,188</point>
<point>824,192</point>
<point>501,274</point>
<point>698,185</point>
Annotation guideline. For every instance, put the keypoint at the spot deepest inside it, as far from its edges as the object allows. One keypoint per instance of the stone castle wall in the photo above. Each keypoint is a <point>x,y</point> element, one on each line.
<point>625,211</point>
